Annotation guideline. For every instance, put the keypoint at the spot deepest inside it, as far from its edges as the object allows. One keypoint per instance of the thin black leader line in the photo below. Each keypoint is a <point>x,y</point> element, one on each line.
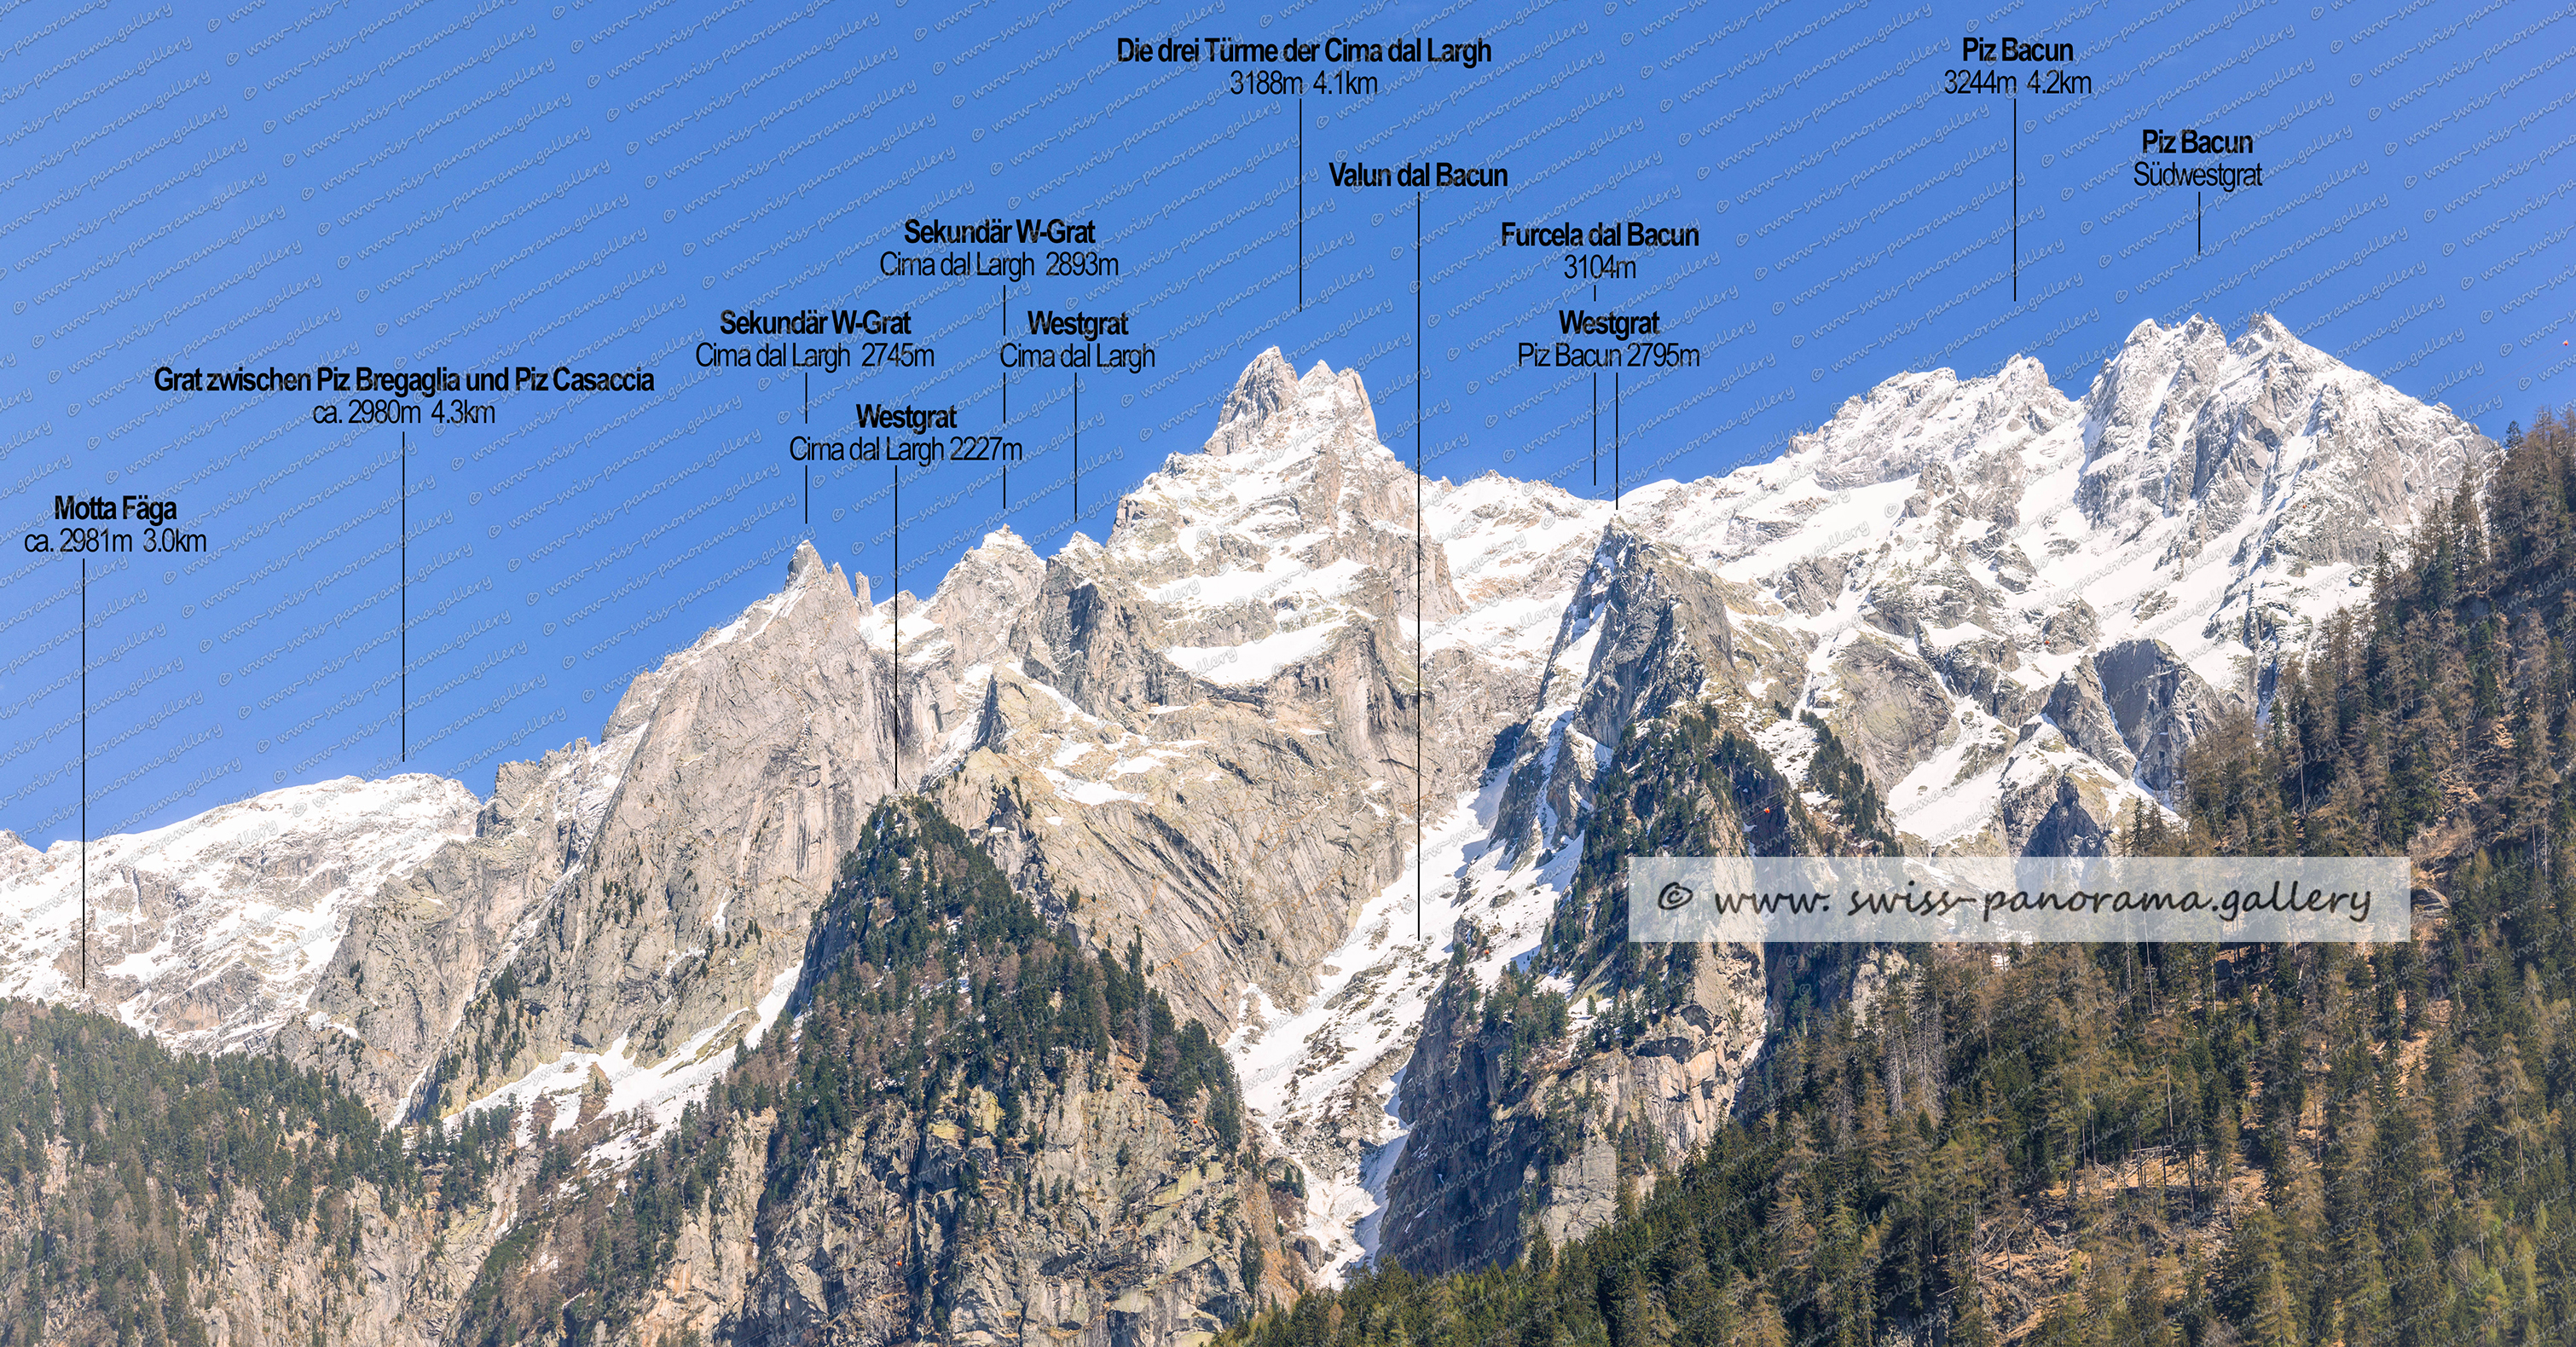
<point>894,618</point>
<point>1006,397</point>
<point>84,772</point>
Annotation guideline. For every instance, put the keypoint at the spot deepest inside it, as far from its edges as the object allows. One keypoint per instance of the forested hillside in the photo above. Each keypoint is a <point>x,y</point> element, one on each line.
<point>2171,1144</point>
<point>966,1108</point>
<point>137,1184</point>
<point>963,1110</point>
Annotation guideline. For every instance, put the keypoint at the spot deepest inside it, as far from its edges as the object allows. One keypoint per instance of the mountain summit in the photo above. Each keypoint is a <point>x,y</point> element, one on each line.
<point>1203,740</point>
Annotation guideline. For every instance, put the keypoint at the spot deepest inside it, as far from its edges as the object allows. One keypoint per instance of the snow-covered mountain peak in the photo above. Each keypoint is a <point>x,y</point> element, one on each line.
<point>1911,421</point>
<point>1266,387</point>
<point>1294,519</point>
<point>1269,401</point>
<point>2184,426</point>
<point>2155,369</point>
<point>2265,333</point>
<point>214,930</point>
<point>2149,398</point>
<point>1003,540</point>
<point>1947,549</point>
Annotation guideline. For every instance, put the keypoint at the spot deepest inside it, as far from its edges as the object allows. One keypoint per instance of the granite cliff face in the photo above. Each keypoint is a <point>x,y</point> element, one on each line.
<point>638,891</point>
<point>1973,615</point>
<point>1206,726</point>
<point>1109,1220</point>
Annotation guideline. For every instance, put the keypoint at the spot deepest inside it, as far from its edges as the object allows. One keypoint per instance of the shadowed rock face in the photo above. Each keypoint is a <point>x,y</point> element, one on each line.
<point>1502,1146</point>
<point>2061,813</point>
<point>2160,705</point>
<point>1645,632</point>
<point>2076,707</point>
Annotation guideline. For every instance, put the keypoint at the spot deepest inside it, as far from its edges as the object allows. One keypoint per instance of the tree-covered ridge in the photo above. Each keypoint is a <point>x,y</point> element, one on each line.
<point>1688,785</point>
<point>157,1150</point>
<point>1692,785</point>
<point>1834,771</point>
<point>2176,1145</point>
<point>929,984</point>
<point>924,937</point>
<point>2439,715</point>
<point>1513,1120</point>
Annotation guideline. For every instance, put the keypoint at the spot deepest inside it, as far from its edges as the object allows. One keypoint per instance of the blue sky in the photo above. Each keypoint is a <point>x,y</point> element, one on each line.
<point>591,185</point>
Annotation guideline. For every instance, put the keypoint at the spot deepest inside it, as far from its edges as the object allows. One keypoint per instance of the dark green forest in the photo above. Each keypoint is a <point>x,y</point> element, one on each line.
<point>161,1149</point>
<point>2167,1145</point>
<point>926,977</point>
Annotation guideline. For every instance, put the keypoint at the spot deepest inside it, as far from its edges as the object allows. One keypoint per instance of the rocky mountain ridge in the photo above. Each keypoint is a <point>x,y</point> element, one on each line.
<point>2010,608</point>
